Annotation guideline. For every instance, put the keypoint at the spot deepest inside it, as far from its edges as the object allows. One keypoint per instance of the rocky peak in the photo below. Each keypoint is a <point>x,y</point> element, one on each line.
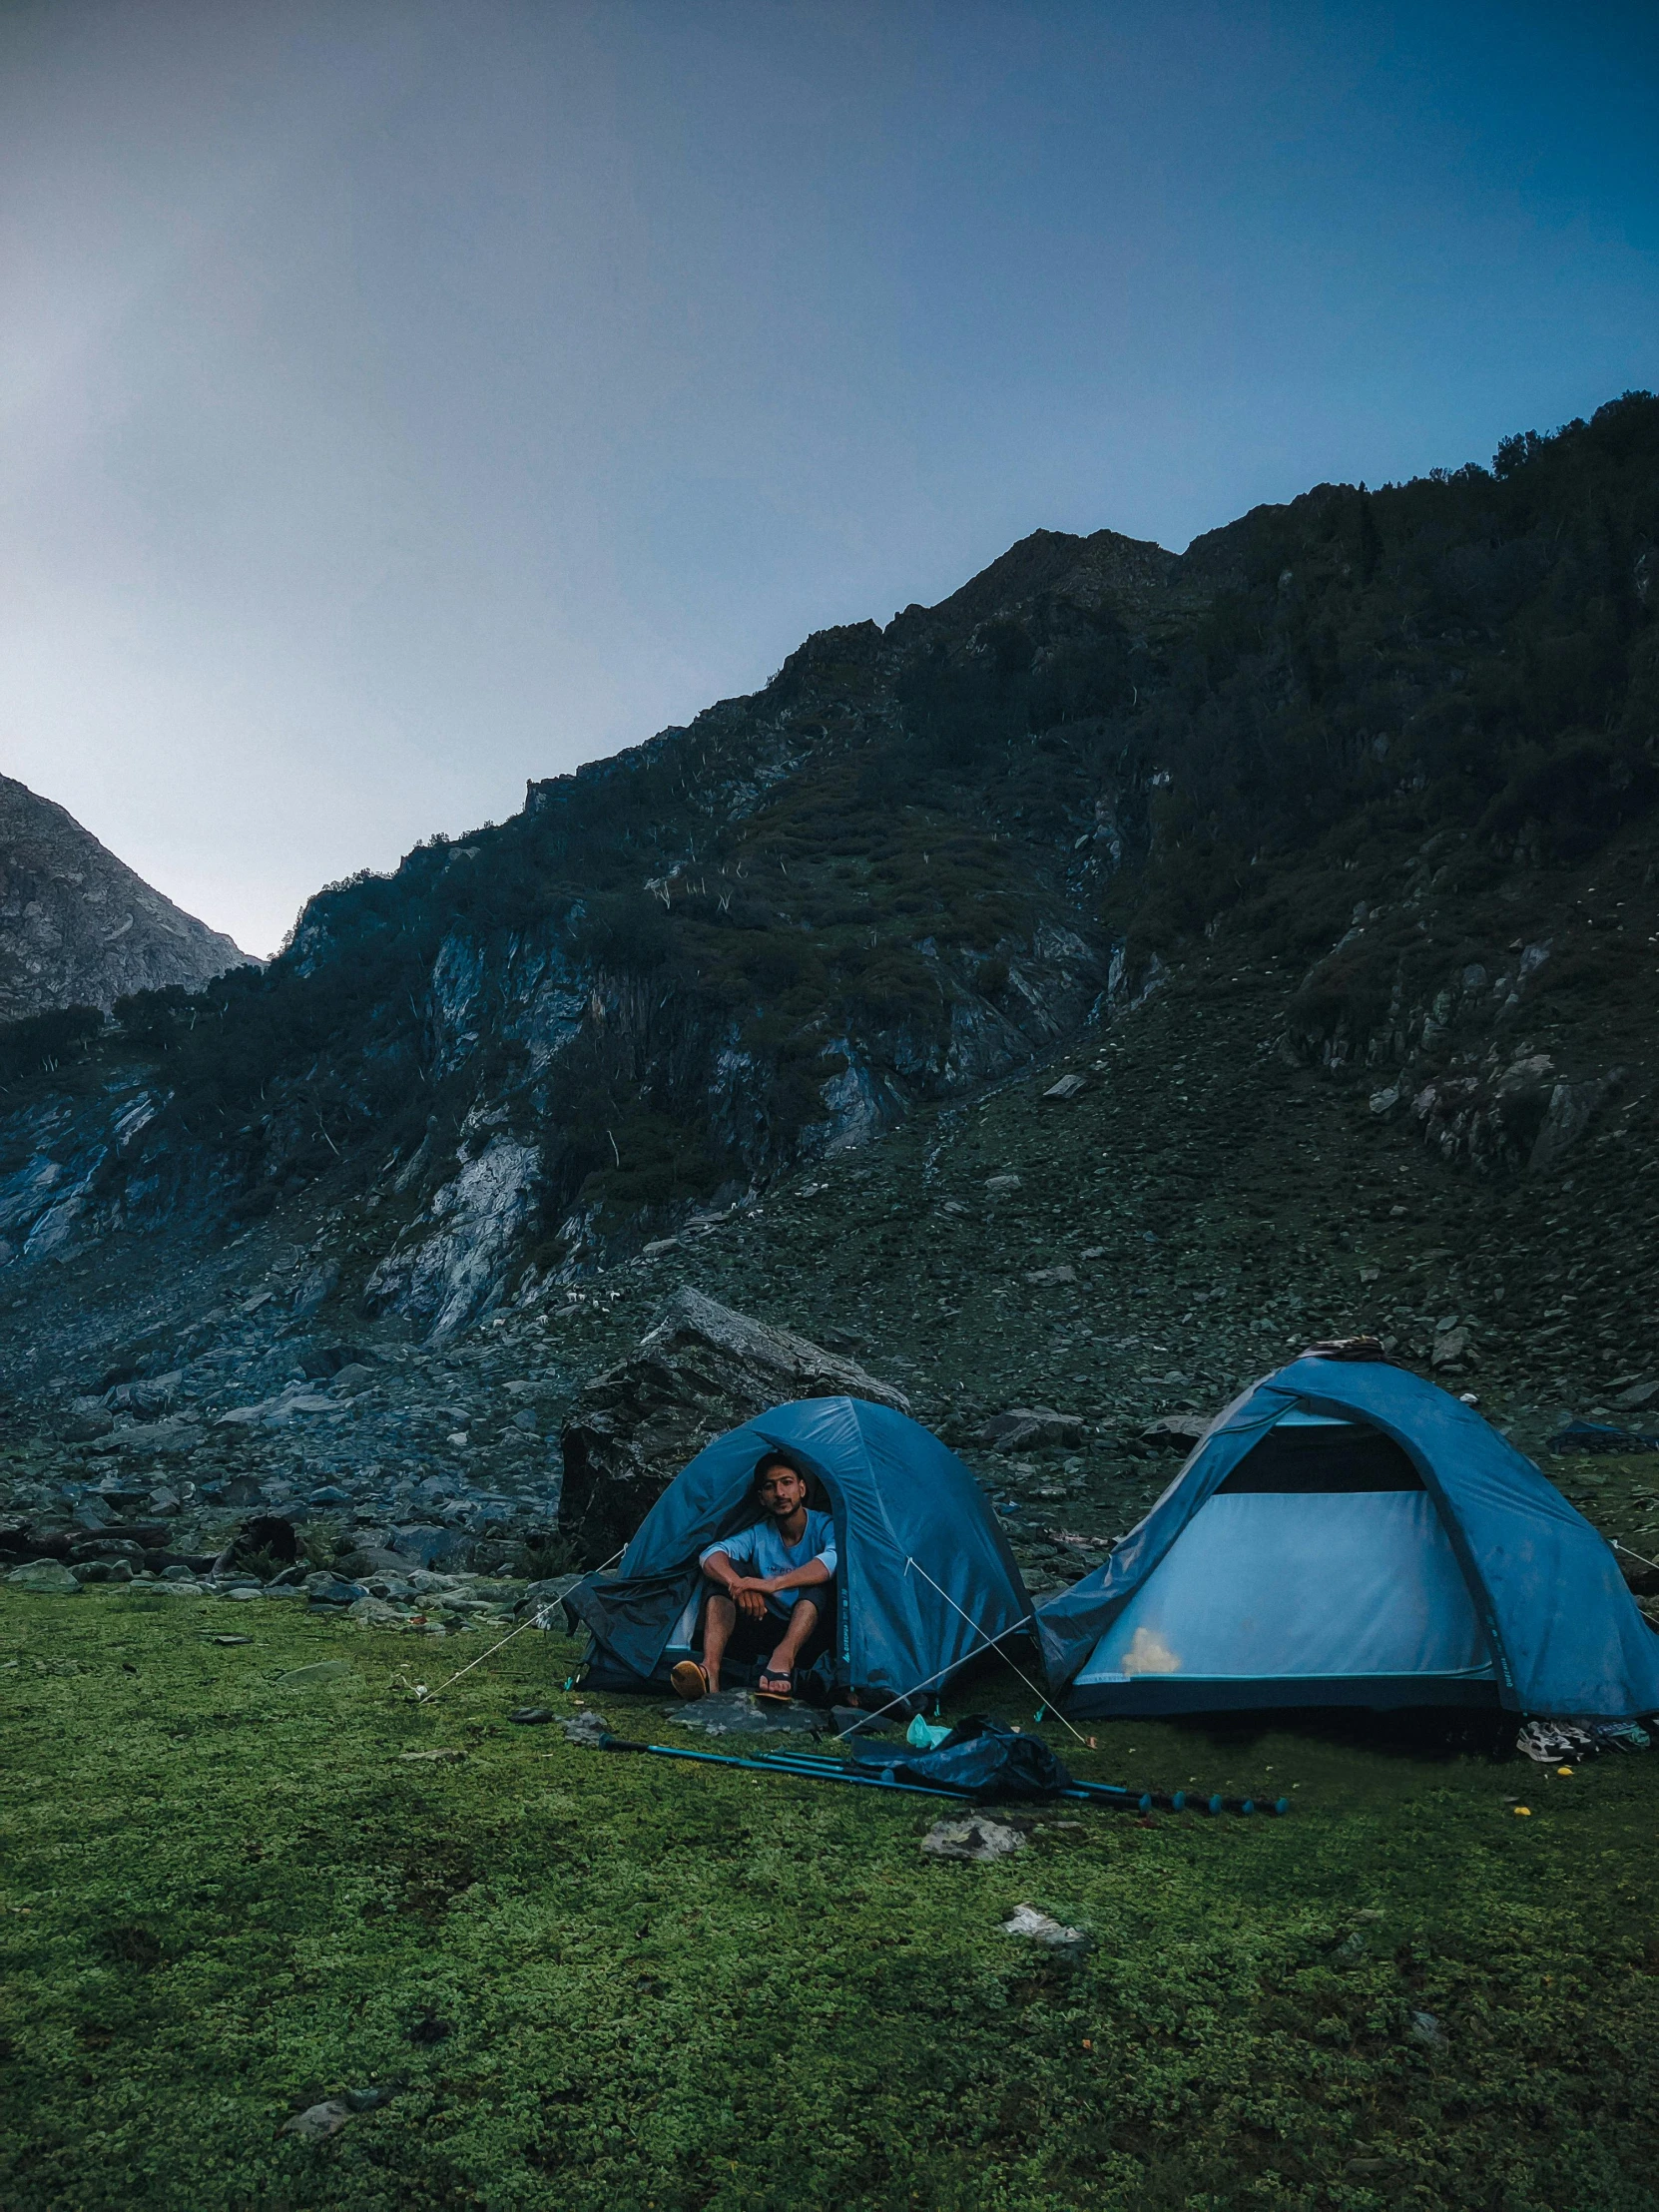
<point>77,926</point>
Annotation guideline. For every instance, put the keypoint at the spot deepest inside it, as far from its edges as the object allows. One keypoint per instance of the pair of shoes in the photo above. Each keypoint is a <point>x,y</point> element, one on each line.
<point>1551,1743</point>
<point>689,1681</point>
<point>774,1689</point>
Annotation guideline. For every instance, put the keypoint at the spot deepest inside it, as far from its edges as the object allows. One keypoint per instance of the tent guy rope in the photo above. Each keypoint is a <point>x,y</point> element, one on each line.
<point>1039,1695</point>
<point>538,1619</point>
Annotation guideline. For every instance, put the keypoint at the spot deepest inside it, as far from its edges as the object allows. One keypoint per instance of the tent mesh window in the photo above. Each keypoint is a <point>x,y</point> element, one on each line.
<point>1322,1455</point>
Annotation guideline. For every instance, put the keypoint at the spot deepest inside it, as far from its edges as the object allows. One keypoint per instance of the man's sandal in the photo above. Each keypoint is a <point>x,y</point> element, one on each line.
<point>774,1689</point>
<point>689,1681</point>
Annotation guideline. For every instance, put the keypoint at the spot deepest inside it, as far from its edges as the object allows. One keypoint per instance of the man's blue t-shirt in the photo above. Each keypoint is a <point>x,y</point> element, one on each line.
<point>762,1552</point>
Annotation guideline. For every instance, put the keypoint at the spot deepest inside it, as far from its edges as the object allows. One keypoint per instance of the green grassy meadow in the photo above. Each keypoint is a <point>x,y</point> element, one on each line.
<point>597,1981</point>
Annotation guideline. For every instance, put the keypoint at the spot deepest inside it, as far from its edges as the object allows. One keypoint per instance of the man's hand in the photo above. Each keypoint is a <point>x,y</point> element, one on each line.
<point>749,1597</point>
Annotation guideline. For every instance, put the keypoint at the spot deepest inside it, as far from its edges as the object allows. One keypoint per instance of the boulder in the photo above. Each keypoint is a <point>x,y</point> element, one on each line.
<point>106,1548</point>
<point>1177,1432</point>
<point>700,1370</point>
<point>45,1577</point>
<point>1028,1428</point>
<point>370,1560</point>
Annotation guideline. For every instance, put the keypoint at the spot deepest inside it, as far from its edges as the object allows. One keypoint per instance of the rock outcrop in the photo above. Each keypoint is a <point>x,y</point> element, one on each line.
<point>78,928</point>
<point>700,1370</point>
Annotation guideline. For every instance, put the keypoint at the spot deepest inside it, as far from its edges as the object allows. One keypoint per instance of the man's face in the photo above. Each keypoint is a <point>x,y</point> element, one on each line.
<point>782,1493</point>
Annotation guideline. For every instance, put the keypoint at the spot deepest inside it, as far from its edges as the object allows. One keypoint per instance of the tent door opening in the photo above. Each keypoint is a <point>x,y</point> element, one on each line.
<point>686,1638</point>
<point>1320,1564</point>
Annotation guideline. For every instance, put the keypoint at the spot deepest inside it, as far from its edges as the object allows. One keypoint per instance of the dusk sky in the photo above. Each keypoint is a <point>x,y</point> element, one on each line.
<point>403,401</point>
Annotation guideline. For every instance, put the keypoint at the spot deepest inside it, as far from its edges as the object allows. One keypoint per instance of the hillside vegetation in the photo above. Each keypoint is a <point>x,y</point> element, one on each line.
<point>1376,739</point>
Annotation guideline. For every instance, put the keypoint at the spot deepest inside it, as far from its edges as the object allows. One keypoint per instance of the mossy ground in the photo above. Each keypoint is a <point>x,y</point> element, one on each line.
<point>599,1982</point>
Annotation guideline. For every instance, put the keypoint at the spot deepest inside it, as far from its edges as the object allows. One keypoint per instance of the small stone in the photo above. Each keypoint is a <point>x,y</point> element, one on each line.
<point>1067,1087</point>
<point>974,1840</point>
<point>531,1716</point>
<point>438,1757</point>
<point>318,2121</point>
<point>586,1728</point>
<point>367,2100</point>
<point>1039,1927</point>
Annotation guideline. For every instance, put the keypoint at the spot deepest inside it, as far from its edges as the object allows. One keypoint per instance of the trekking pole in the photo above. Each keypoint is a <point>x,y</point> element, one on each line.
<point>828,1772</point>
<point>1113,1793</point>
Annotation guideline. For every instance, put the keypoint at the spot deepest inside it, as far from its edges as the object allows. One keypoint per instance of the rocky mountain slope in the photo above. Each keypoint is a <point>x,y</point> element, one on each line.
<point>77,927</point>
<point>1066,1000</point>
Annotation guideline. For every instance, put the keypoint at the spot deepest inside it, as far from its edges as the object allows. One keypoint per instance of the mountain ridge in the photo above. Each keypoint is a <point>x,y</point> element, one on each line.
<point>1366,743</point>
<point>59,888</point>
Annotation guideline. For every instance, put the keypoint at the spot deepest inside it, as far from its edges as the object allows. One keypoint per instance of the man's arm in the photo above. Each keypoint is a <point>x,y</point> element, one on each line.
<point>798,1578</point>
<point>717,1567</point>
<point>724,1565</point>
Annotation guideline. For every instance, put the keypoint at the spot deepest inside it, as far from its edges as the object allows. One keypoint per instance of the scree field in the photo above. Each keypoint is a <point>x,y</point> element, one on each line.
<point>591,1980</point>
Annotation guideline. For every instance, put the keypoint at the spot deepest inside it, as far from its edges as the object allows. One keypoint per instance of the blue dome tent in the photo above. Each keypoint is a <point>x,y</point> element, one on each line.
<point>909,1516</point>
<point>1345,1534</point>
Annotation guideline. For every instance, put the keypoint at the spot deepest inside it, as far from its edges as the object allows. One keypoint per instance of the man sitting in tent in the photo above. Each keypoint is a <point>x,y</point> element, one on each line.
<point>758,1606</point>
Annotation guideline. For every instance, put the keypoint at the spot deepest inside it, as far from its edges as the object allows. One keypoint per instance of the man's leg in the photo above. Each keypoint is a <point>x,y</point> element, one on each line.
<point>719,1618</point>
<point>803,1620</point>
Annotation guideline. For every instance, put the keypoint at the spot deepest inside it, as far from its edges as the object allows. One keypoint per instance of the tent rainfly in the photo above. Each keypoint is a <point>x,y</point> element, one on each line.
<point>1345,1534</point>
<point>909,1516</point>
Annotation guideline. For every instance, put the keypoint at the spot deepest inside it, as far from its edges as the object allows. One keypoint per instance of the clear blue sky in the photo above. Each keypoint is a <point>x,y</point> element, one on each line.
<point>402,400</point>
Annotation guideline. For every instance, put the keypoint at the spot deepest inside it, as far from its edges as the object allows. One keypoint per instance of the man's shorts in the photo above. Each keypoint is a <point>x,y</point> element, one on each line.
<point>754,1640</point>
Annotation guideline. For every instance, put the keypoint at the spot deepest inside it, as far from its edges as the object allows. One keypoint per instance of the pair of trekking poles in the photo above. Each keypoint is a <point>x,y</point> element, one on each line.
<point>814,1767</point>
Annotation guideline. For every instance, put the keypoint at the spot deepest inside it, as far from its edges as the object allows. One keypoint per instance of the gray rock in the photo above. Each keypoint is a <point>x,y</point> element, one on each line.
<point>700,1370</point>
<point>1181,1431</point>
<point>84,1428</point>
<point>976,1840</point>
<point>1024,1427</point>
<point>586,1728</point>
<point>1039,1927</point>
<point>318,2121</point>
<point>314,1288</point>
<point>741,1713</point>
<point>45,1577</point>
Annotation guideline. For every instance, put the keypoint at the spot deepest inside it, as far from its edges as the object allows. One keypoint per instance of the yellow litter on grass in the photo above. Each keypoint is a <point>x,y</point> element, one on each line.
<point>1564,1769</point>
<point>1523,1812</point>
